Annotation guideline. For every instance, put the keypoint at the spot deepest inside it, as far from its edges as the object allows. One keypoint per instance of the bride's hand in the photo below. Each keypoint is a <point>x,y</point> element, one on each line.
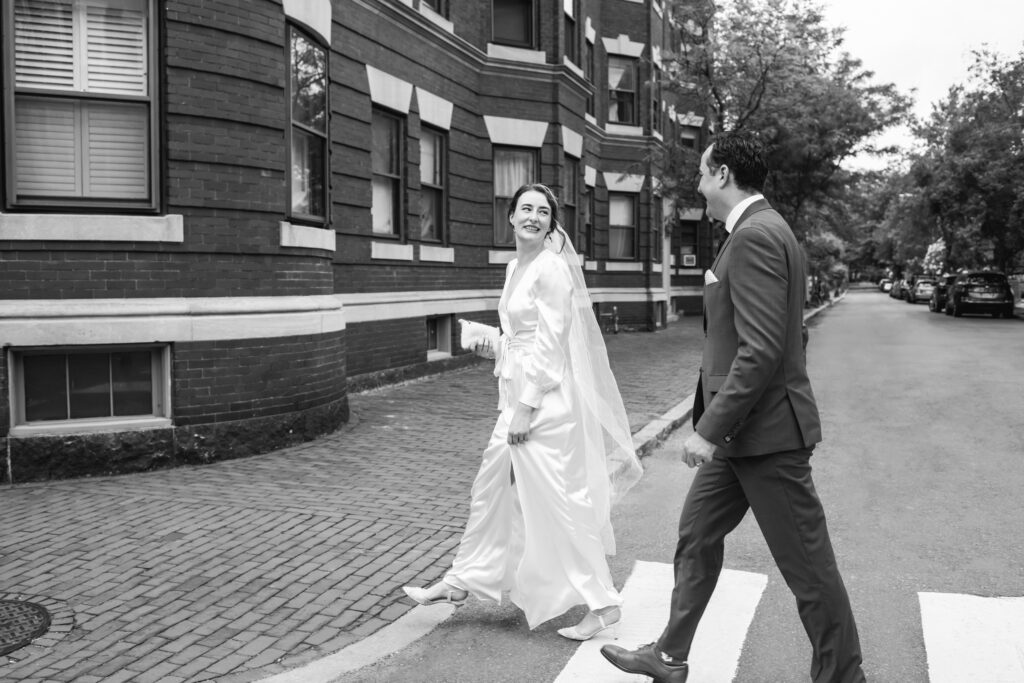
<point>519,425</point>
<point>484,349</point>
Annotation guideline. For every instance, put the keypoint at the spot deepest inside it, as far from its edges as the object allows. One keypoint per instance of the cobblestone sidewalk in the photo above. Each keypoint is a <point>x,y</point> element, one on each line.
<point>239,570</point>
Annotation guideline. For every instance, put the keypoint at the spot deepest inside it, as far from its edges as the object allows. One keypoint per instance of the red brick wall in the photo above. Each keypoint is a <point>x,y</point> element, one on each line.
<point>224,381</point>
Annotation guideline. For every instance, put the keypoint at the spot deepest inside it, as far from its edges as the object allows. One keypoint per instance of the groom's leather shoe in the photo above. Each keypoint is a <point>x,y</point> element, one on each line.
<point>646,660</point>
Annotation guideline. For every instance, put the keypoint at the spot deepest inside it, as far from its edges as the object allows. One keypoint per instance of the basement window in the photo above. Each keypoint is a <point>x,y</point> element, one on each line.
<point>96,389</point>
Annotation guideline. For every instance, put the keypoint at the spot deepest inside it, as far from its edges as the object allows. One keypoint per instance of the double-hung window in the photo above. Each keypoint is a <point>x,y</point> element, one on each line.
<point>432,184</point>
<point>585,245</point>
<point>308,113</point>
<point>572,38</point>
<point>588,73</point>
<point>513,168</point>
<point>387,161</point>
<point>81,125</point>
<point>570,198</point>
<point>513,22</point>
<point>622,221</point>
<point>622,90</point>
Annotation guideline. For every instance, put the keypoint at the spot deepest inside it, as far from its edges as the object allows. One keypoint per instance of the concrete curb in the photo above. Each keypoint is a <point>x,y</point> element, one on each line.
<point>420,621</point>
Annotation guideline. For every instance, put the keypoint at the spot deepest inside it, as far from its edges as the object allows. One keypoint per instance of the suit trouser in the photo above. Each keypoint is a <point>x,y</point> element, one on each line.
<point>779,490</point>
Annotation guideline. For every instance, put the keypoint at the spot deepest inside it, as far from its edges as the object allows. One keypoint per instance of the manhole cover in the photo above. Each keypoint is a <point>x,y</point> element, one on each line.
<point>20,623</point>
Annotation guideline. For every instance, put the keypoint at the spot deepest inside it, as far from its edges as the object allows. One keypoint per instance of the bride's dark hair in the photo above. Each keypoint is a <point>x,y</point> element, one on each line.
<point>552,204</point>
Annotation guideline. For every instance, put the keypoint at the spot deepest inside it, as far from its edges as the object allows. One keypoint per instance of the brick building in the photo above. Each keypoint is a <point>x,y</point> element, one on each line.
<point>219,215</point>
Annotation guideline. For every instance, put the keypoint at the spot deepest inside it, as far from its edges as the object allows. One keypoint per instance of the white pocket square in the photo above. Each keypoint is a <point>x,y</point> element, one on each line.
<point>709,278</point>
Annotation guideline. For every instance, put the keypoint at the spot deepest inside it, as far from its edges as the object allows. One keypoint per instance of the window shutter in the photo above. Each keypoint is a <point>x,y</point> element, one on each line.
<point>46,147</point>
<point>116,150</point>
<point>116,50</point>
<point>44,45</point>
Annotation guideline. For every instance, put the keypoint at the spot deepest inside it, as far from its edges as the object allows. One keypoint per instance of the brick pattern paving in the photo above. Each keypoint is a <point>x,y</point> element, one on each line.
<point>240,569</point>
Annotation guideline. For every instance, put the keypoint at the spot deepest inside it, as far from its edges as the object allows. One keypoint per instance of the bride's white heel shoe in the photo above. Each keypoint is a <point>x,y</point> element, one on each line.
<point>420,595</point>
<point>609,619</point>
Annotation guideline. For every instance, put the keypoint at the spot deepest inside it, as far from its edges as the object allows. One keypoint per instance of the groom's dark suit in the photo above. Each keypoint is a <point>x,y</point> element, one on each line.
<point>754,401</point>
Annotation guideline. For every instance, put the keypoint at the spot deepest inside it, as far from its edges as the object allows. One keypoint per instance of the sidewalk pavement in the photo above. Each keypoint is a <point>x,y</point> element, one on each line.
<point>244,569</point>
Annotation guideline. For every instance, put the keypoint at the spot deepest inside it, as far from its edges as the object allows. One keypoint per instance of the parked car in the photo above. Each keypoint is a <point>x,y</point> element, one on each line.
<point>885,284</point>
<point>980,292</point>
<point>899,289</point>
<point>937,303</point>
<point>921,290</point>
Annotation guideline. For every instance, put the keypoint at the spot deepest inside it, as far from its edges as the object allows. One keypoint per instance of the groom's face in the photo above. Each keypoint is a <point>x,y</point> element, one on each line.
<point>709,185</point>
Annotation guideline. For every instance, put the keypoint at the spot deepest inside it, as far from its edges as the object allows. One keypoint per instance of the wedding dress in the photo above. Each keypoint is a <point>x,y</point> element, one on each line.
<point>544,537</point>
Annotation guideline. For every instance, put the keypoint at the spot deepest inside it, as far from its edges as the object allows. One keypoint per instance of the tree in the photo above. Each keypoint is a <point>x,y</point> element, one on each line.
<point>971,170</point>
<point>774,67</point>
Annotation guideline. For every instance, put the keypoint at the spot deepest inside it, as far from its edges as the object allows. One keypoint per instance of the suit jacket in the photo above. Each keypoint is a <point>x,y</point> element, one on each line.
<point>754,396</point>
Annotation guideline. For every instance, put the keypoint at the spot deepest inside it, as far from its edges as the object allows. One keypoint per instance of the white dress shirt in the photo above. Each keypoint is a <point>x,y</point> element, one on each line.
<point>737,211</point>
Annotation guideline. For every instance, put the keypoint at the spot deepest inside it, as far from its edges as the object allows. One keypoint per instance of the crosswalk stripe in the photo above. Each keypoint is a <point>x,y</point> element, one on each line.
<point>971,638</point>
<point>646,595</point>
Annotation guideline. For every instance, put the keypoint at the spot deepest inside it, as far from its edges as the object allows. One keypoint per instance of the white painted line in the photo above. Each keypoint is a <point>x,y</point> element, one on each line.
<point>715,654</point>
<point>413,625</point>
<point>971,638</point>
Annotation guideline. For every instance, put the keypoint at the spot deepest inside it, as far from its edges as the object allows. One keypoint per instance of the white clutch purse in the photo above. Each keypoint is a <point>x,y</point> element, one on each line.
<point>473,333</point>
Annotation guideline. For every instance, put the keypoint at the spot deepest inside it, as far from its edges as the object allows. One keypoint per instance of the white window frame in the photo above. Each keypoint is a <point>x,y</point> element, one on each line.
<point>73,93</point>
<point>161,394</point>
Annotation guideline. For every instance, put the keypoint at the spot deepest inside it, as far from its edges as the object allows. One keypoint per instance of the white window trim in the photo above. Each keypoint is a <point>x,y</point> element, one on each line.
<point>437,254</point>
<point>516,132</point>
<point>91,227</point>
<point>571,65</point>
<point>623,182</point>
<point>303,236</point>
<point>516,54</point>
<point>434,110</point>
<point>572,142</point>
<point>389,91</point>
<point>622,46</point>
<point>316,14</point>
<point>391,251</point>
<point>623,129</point>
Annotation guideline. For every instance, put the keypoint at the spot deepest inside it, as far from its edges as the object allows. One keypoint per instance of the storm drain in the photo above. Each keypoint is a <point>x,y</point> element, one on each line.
<point>21,622</point>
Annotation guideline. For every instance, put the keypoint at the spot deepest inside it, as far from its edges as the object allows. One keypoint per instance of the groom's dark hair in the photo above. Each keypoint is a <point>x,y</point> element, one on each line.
<point>744,154</point>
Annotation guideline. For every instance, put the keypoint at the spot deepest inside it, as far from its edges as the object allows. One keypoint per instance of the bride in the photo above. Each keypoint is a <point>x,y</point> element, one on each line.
<point>539,521</point>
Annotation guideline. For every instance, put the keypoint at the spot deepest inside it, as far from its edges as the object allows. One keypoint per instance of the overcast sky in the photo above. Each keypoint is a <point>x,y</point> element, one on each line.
<point>925,44</point>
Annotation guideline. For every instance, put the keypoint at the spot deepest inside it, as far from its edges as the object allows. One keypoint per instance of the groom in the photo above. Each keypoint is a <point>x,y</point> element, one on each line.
<point>755,427</point>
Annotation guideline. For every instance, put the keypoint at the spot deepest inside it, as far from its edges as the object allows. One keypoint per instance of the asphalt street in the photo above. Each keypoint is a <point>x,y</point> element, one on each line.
<point>920,476</point>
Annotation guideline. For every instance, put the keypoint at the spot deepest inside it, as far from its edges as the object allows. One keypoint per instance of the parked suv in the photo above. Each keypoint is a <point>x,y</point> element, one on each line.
<point>980,292</point>
<point>937,303</point>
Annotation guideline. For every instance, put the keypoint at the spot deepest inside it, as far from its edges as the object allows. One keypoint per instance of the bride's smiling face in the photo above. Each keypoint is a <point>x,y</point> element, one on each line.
<point>531,219</point>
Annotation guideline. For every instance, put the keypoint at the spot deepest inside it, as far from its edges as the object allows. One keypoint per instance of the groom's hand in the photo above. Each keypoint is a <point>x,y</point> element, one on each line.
<point>697,450</point>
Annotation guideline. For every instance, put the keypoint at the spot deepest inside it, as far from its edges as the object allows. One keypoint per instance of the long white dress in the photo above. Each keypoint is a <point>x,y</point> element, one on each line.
<point>541,539</point>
